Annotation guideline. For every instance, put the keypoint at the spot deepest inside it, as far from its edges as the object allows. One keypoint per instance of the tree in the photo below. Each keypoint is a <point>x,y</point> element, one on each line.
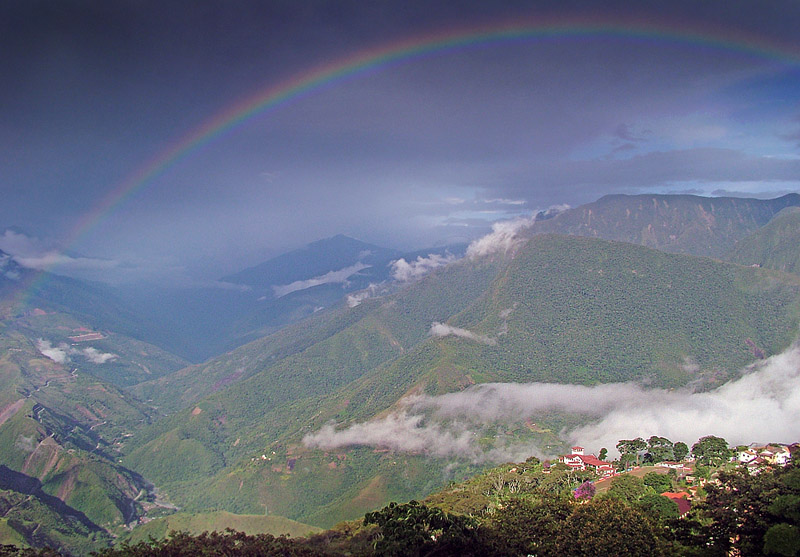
<point>629,450</point>
<point>659,482</point>
<point>413,529</point>
<point>660,449</point>
<point>782,539</point>
<point>607,527</point>
<point>525,527</point>
<point>658,507</point>
<point>628,488</point>
<point>711,450</point>
<point>603,454</point>
<point>680,450</point>
<point>216,543</point>
<point>751,514</point>
<point>585,491</point>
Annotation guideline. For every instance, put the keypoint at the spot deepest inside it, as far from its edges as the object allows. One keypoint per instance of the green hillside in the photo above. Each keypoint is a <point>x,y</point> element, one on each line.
<point>61,428</point>
<point>219,521</point>
<point>108,355</point>
<point>563,309</point>
<point>332,347</point>
<point>774,246</point>
<point>675,223</point>
<point>95,306</point>
<point>35,520</point>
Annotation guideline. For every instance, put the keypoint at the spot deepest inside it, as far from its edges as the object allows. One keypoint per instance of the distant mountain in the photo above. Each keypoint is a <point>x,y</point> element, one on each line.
<point>207,321</point>
<point>775,246</point>
<point>28,297</point>
<point>562,309</point>
<point>315,261</point>
<point>675,223</point>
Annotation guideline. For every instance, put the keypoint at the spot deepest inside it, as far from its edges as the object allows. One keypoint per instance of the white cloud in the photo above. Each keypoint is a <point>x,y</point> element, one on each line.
<point>331,277</point>
<point>97,357</point>
<point>504,201</point>
<point>35,254</point>
<point>761,406</point>
<point>52,259</point>
<point>443,330</point>
<point>373,289</point>
<point>58,355</point>
<point>503,237</point>
<point>8,268</point>
<point>404,271</point>
<point>63,352</point>
<point>355,299</point>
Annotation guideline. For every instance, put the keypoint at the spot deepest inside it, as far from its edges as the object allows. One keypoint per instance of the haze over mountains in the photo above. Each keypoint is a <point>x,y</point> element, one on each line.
<point>344,375</point>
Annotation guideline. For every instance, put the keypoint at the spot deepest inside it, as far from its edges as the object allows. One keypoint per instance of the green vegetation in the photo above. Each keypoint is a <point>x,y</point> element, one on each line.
<point>226,436</point>
<point>516,512</point>
<point>711,451</point>
<point>774,246</point>
<point>36,520</point>
<point>60,434</point>
<point>219,521</point>
<point>687,224</point>
<point>133,361</point>
<point>563,309</point>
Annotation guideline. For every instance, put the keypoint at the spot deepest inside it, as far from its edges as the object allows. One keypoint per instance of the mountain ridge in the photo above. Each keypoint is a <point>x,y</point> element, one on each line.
<point>580,300</point>
<point>689,224</point>
<point>775,246</point>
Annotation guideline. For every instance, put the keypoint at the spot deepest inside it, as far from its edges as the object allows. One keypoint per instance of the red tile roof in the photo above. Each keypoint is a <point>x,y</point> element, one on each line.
<point>675,494</point>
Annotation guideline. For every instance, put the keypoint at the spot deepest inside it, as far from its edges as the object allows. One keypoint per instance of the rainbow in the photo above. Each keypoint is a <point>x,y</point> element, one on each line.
<point>388,55</point>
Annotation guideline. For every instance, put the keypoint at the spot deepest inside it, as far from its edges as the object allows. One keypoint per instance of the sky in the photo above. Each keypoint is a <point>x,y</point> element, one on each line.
<point>100,101</point>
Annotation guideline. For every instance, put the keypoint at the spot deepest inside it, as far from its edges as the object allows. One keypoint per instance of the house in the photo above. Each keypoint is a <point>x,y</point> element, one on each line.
<point>681,499</point>
<point>746,456</point>
<point>673,465</point>
<point>757,465</point>
<point>579,461</point>
<point>782,456</point>
<point>757,457</point>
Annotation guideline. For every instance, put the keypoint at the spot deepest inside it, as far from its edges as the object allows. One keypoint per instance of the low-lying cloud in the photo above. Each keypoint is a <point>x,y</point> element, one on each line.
<point>97,357</point>
<point>443,330</point>
<point>356,298</point>
<point>504,236</point>
<point>405,271</point>
<point>331,277</point>
<point>32,253</point>
<point>763,405</point>
<point>62,353</point>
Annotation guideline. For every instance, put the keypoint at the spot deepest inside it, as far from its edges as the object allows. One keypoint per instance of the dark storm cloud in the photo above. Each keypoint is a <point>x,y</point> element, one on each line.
<point>93,90</point>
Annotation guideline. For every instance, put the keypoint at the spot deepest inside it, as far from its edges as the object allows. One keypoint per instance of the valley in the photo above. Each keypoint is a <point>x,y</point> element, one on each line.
<point>331,400</point>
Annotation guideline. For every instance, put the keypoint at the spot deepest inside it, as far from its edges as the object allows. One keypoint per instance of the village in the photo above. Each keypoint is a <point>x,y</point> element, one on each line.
<point>688,477</point>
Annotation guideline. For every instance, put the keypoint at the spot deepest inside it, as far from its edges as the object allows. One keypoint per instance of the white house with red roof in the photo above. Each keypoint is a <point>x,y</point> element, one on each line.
<point>579,461</point>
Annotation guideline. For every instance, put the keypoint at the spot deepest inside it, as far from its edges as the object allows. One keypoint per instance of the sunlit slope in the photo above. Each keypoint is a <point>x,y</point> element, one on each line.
<point>563,309</point>
<point>774,246</point>
<point>61,428</point>
<point>25,293</point>
<point>276,397</point>
<point>198,523</point>
<point>591,311</point>
<point>675,223</point>
<point>31,518</point>
<point>330,348</point>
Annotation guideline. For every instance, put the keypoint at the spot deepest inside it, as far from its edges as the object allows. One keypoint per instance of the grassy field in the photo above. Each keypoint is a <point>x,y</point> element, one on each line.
<point>219,521</point>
